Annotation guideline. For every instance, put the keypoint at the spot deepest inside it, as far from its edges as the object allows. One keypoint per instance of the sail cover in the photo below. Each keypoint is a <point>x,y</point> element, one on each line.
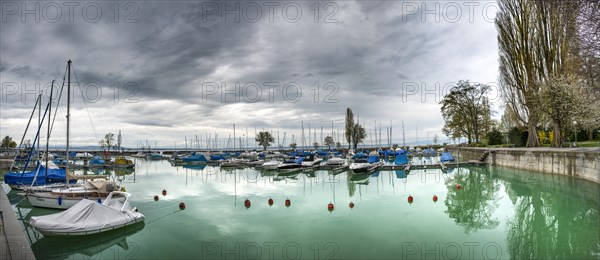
<point>86,217</point>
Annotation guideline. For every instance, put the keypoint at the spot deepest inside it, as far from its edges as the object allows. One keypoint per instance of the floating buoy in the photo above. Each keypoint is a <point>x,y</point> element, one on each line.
<point>247,203</point>
<point>164,192</point>
<point>351,205</point>
<point>435,198</point>
<point>59,200</point>
<point>99,201</point>
<point>458,187</point>
<point>330,207</point>
<point>270,202</point>
<point>410,199</point>
<point>181,206</point>
<point>288,202</point>
<point>155,197</point>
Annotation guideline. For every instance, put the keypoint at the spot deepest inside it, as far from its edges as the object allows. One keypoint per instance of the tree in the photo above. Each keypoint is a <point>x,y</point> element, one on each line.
<point>394,146</point>
<point>358,135</point>
<point>316,145</point>
<point>338,145</point>
<point>466,111</point>
<point>8,142</point>
<point>535,41</point>
<point>108,141</point>
<point>435,139</point>
<point>560,101</point>
<point>494,136</point>
<point>329,142</point>
<point>293,145</point>
<point>265,139</point>
<point>349,126</point>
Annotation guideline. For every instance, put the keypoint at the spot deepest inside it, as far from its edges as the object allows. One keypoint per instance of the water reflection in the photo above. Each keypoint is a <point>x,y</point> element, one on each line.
<point>473,204</point>
<point>99,246</point>
<point>545,217</point>
<point>549,222</point>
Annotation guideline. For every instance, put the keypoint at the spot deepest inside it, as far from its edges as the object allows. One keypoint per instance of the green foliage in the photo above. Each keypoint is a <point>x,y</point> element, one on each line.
<point>8,142</point>
<point>329,142</point>
<point>358,135</point>
<point>517,136</point>
<point>264,139</point>
<point>338,145</point>
<point>394,146</point>
<point>349,125</point>
<point>466,111</point>
<point>494,137</point>
<point>293,145</point>
<point>316,145</point>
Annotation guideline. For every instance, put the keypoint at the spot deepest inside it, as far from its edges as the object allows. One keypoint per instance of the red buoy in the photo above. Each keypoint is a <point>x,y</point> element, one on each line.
<point>164,192</point>
<point>351,205</point>
<point>410,199</point>
<point>181,206</point>
<point>330,207</point>
<point>247,203</point>
<point>435,198</point>
<point>458,187</point>
<point>155,197</point>
<point>288,202</point>
<point>270,201</point>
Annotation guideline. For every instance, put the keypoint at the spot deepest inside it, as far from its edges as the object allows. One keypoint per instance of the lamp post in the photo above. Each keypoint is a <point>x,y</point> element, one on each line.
<point>575,127</point>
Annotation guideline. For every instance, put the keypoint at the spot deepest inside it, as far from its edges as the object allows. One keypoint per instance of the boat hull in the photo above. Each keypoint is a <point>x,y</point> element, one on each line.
<point>48,200</point>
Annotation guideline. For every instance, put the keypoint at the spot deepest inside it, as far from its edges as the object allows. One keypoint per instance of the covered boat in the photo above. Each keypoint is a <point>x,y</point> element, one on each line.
<point>89,217</point>
<point>446,157</point>
<point>44,176</point>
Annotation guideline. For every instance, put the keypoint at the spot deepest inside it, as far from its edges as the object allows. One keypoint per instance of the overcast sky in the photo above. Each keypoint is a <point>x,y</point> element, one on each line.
<point>162,71</point>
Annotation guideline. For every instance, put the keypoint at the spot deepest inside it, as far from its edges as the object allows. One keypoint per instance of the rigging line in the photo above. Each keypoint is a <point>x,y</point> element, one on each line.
<point>84,103</point>
<point>39,99</point>
<point>58,101</point>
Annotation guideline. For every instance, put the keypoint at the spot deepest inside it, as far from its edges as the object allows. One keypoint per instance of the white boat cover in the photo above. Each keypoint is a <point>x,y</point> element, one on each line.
<point>87,217</point>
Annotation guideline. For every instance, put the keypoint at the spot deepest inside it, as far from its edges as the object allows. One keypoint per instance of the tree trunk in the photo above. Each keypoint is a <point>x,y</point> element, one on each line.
<point>557,140</point>
<point>532,137</point>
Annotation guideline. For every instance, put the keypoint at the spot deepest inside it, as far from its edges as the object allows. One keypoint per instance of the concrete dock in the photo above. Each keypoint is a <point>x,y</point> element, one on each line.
<point>13,243</point>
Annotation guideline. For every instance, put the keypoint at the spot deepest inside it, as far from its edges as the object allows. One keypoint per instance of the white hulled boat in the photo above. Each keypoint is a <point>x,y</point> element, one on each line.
<point>89,217</point>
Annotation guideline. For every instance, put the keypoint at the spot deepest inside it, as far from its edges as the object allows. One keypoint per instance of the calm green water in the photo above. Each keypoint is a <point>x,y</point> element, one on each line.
<point>497,214</point>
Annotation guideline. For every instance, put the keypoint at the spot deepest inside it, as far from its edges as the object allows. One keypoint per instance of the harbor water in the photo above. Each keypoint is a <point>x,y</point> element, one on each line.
<point>460,213</point>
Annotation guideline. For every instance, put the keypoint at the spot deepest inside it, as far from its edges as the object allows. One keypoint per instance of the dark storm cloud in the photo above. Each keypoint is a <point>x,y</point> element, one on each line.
<point>155,71</point>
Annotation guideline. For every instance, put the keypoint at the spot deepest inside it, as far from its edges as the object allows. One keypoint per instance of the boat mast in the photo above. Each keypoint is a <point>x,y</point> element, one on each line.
<point>68,116</point>
<point>39,125</point>
<point>48,133</point>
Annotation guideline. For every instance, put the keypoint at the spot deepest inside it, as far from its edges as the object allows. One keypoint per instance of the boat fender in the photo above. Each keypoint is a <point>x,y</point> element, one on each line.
<point>155,197</point>
<point>99,201</point>
<point>435,198</point>
<point>247,203</point>
<point>164,192</point>
<point>270,201</point>
<point>410,199</point>
<point>181,206</point>
<point>330,207</point>
<point>288,202</point>
<point>351,204</point>
<point>59,200</point>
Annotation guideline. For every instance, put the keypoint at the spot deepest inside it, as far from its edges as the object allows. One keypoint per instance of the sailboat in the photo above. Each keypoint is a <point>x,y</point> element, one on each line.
<point>52,174</point>
<point>65,197</point>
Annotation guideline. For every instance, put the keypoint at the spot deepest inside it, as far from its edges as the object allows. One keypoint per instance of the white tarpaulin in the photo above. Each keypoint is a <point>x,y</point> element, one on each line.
<point>86,217</point>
